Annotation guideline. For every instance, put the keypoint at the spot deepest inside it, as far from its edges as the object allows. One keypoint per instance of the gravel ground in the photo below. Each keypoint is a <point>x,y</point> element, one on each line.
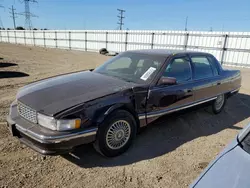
<point>170,153</point>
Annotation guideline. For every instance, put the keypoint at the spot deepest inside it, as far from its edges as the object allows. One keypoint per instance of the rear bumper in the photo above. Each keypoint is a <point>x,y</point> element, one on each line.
<point>45,141</point>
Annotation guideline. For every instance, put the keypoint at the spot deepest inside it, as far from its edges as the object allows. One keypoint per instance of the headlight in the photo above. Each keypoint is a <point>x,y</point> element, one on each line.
<point>63,125</point>
<point>58,125</point>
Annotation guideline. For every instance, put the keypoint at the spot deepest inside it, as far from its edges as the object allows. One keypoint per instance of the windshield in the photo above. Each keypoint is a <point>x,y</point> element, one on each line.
<point>132,67</point>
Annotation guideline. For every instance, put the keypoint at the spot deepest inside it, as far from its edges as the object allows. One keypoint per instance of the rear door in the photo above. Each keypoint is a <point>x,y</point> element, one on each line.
<point>206,78</point>
<point>164,99</point>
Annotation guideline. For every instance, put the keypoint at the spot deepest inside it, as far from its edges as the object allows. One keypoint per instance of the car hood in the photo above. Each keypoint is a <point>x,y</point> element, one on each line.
<point>229,170</point>
<point>56,94</point>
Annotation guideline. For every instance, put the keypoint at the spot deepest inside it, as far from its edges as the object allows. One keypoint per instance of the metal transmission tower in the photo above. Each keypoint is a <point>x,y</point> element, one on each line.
<point>13,16</point>
<point>121,17</point>
<point>27,13</point>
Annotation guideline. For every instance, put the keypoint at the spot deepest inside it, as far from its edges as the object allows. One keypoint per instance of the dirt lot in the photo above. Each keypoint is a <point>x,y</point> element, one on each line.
<point>171,153</point>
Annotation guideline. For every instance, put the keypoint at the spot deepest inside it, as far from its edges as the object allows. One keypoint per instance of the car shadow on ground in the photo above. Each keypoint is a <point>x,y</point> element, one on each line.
<point>12,74</point>
<point>7,64</point>
<point>168,133</point>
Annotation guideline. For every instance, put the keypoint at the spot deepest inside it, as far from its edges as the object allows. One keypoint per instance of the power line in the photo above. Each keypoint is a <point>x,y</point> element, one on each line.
<point>13,16</point>
<point>27,13</point>
<point>121,17</point>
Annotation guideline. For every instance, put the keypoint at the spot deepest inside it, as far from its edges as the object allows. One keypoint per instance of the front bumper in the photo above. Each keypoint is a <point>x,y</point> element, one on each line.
<point>46,141</point>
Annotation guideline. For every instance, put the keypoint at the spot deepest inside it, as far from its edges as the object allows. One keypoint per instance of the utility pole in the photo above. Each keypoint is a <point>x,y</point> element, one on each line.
<point>13,16</point>
<point>121,17</point>
<point>186,23</point>
<point>27,13</point>
<point>1,23</point>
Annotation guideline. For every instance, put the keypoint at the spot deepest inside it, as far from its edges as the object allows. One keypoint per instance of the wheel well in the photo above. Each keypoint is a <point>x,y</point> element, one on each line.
<point>133,113</point>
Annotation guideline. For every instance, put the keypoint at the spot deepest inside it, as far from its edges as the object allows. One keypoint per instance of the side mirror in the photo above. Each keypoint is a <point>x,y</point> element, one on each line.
<point>167,81</point>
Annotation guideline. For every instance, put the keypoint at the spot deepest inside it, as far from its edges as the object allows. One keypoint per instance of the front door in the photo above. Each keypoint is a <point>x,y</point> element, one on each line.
<point>164,99</point>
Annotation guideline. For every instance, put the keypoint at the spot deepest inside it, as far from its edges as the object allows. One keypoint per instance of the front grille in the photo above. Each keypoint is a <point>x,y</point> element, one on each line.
<point>27,113</point>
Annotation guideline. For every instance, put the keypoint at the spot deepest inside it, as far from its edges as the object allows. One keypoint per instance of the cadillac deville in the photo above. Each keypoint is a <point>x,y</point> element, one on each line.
<point>108,105</point>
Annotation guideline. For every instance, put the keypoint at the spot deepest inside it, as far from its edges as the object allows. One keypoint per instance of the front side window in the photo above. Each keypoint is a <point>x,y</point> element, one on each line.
<point>132,67</point>
<point>202,67</point>
<point>180,69</point>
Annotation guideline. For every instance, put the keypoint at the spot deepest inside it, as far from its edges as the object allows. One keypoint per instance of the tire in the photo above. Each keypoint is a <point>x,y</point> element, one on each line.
<point>218,104</point>
<point>119,126</point>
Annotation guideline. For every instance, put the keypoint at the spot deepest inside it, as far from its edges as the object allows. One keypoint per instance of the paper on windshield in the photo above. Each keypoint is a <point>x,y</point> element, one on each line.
<point>148,73</point>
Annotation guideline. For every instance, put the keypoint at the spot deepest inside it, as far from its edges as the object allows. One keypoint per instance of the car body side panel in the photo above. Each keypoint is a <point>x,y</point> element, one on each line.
<point>162,99</point>
<point>95,111</point>
<point>206,88</point>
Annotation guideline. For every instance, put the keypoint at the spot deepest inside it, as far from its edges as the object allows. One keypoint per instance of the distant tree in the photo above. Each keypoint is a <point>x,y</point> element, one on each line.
<point>19,28</point>
<point>8,29</point>
<point>35,29</point>
<point>45,29</point>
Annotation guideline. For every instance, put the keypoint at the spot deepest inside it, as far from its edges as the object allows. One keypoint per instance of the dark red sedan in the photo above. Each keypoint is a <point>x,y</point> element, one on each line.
<point>109,104</point>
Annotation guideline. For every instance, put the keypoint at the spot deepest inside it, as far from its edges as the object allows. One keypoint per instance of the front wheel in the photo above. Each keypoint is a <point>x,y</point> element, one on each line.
<point>115,134</point>
<point>219,104</point>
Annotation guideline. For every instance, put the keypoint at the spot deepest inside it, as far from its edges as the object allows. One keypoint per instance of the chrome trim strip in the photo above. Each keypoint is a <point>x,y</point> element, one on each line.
<point>164,112</point>
<point>142,116</point>
<point>235,90</point>
<point>55,139</point>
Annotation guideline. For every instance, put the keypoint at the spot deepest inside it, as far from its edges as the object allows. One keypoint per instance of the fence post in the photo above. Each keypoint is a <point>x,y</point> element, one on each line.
<point>8,36</point>
<point>186,41</point>
<point>44,40</point>
<point>69,40</point>
<point>152,41</point>
<point>86,41</point>
<point>106,40</point>
<point>224,49</point>
<point>24,36</point>
<point>56,38</point>
<point>34,38</point>
<point>126,41</point>
<point>1,36</point>
<point>15,36</point>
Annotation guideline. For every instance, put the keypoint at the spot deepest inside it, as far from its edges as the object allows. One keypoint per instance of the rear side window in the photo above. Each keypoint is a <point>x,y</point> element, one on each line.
<point>214,65</point>
<point>202,67</point>
<point>180,69</point>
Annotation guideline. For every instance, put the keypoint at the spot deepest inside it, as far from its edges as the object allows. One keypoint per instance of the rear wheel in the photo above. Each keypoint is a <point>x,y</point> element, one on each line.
<point>115,134</point>
<point>219,104</point>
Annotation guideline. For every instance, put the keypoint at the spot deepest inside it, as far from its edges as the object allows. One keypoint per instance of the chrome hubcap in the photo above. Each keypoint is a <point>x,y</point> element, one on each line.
<point>219,102</point>
<point>118,134</point>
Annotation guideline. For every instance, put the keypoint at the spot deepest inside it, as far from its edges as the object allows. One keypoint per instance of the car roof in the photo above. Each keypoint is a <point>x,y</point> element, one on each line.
<point>166,52</point>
